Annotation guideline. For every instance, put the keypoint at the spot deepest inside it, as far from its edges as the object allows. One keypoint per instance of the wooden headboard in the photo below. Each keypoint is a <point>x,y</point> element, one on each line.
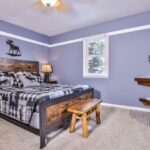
<point>18,65</point>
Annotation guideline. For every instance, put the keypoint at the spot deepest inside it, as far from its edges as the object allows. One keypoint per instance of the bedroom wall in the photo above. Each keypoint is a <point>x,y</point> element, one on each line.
<point>29,51</point>
<point>128,59</point>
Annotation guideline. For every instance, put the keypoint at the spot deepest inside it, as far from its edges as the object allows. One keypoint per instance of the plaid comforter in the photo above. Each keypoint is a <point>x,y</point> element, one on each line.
<point>20,103</point>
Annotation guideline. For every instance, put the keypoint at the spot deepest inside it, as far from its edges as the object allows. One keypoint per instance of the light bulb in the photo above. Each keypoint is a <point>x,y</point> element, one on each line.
<point>49,3</point>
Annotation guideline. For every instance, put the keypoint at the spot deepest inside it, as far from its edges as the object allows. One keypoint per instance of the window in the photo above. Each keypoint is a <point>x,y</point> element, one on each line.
<point>95,57</point>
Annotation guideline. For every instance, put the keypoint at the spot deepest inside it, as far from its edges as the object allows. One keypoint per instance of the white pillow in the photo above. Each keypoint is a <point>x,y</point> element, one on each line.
<point>27,82</point>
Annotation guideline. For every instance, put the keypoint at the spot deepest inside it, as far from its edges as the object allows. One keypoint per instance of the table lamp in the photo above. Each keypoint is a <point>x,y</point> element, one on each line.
<point>46,69</point>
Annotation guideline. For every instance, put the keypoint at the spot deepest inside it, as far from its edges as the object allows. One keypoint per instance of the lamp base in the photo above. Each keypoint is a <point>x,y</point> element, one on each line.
<point>46,77</point>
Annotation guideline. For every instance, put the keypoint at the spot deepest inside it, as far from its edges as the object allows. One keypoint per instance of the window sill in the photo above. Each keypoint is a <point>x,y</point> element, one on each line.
<point>95,76</point>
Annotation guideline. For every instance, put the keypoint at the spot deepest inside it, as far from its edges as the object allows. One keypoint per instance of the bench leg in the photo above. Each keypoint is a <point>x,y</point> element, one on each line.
<point>84,126</point>
<point>72,125</point>
<point>98,119</point>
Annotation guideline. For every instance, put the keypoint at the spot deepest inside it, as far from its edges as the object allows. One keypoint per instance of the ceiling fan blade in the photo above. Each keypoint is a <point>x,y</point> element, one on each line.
<point>38,5</point>
<point>60,6</point>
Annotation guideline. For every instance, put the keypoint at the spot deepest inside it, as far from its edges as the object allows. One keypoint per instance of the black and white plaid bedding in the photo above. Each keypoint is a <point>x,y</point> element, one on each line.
<point>10,77</point>
<point>32,77</point>
<point>19,103</point>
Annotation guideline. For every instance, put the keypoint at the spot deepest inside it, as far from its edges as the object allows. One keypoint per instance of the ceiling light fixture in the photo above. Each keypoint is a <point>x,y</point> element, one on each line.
<point>49,3</point>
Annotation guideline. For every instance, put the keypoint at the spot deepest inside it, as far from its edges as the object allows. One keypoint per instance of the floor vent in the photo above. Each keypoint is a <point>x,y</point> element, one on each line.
<point>142,117</point>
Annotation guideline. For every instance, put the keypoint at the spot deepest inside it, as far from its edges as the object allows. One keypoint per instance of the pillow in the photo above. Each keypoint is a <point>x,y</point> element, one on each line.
<point>26,82</point>
<point>4,79</point>
<point>16,80</point>
<point>3,74</point>
<point>37,76</point>
<point>13,79</point>
<point>26,79</point>
<point>19,81</point>
<point>4,82</point>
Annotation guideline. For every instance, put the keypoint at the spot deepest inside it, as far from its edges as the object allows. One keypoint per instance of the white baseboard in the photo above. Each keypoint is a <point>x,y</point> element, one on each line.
<point>126,107</point>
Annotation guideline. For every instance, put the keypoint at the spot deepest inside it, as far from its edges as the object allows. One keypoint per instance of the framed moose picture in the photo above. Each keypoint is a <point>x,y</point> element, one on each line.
<point>13,49</point>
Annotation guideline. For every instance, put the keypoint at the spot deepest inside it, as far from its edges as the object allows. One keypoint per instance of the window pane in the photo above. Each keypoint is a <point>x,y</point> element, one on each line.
<point>96,47</point>
<point>95,64</point>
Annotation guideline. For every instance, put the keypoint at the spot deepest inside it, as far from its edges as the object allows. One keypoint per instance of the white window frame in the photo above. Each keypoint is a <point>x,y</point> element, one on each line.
<point>105,74</point>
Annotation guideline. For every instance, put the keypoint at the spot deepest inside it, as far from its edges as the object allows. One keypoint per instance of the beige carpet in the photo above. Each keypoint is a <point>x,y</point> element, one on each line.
<point>118,131</point>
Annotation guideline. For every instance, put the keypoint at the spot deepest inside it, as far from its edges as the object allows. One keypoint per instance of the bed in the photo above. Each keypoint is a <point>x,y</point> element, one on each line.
<point>46,112</point>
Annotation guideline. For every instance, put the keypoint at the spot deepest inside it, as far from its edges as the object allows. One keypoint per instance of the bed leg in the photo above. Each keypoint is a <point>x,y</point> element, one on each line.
<point>42,142</point>
<point>92,93</point>
<point>42,138</point>
<point>42,125</point>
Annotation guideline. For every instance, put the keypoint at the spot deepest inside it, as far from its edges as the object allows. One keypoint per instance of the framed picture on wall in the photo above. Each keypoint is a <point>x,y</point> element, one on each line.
<point>96,56</point>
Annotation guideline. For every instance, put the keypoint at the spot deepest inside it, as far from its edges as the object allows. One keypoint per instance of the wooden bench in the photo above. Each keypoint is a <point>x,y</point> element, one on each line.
<point>83,110</point>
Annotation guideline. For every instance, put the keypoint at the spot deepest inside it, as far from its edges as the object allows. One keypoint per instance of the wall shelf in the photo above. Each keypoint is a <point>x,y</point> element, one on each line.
<point>145,81</point>
<point>145,101</point>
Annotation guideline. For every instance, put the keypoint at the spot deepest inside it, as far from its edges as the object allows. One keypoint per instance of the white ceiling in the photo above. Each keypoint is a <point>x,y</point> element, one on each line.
<point>82,13</point>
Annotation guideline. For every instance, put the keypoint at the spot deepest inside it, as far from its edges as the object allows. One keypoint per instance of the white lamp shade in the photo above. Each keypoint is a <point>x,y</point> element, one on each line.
<point>47,68</point>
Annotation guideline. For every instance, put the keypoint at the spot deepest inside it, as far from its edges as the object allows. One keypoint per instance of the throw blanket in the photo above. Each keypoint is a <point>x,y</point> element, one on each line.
<point>20,103</point>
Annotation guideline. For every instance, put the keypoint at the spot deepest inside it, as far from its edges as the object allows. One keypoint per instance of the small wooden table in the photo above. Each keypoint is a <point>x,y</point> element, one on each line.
<point>83,110</point>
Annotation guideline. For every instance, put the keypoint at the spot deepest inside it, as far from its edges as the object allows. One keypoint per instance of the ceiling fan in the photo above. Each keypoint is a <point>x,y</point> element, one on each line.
<point>64,6</point>
<point>45,5</point>
<point>50,3</point>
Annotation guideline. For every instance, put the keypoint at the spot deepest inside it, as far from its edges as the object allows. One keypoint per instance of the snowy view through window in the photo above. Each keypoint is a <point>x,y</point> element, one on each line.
<point>96,57</point>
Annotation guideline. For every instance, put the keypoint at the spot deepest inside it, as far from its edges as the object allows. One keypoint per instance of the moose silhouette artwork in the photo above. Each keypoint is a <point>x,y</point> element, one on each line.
<point>13,49</point>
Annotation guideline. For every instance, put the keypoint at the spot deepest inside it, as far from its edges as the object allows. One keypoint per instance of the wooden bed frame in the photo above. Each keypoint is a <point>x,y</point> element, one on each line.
<point>52,113</point>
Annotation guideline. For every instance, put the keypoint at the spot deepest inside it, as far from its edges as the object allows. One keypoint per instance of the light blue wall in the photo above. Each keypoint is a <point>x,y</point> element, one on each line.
<point>29,51</point>
<point>118,24</point>
<point>128,59</point>
<point>14,29</point>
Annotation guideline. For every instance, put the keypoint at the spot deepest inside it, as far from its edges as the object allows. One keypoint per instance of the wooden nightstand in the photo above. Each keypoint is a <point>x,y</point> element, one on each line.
<point>52,82</point>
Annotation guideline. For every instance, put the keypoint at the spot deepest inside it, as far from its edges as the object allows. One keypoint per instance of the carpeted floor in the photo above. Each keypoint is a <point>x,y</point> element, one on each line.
<point>119,130</point>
